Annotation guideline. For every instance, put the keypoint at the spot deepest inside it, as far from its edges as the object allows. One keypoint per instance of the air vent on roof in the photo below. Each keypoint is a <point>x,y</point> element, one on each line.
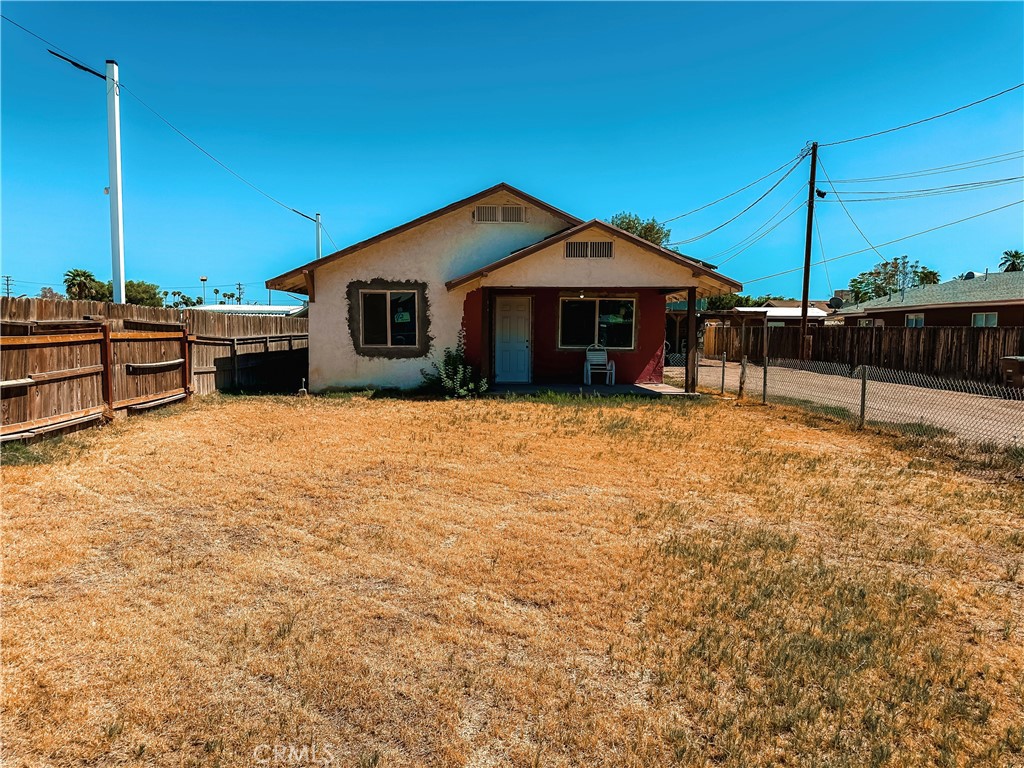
<point>487,213</point>
<point>505,214</point>
<point>588,250</point>
<point>513,214</point>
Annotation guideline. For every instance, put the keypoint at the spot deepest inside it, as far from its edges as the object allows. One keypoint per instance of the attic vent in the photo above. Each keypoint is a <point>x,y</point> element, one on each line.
<point>506,214</point>
<point>513,213</point>
<point>487,213</point>
<point>588,250</point>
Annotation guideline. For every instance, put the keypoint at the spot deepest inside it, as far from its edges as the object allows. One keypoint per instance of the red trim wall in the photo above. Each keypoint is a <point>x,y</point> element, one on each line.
<point>552,365</point>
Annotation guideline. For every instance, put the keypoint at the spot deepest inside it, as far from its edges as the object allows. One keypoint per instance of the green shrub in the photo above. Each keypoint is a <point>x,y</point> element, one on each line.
<point>453,375</point>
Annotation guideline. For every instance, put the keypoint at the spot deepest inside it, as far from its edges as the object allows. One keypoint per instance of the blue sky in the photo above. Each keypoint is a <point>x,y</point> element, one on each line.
<point>375,113</point>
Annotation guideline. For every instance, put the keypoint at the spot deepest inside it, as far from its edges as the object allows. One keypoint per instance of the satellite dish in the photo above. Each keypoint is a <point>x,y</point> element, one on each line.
<point>970,276</point>
<point>835,303</point>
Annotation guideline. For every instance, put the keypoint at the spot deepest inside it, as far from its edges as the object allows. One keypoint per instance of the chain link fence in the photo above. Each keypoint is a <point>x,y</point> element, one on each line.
<point>869,396</point>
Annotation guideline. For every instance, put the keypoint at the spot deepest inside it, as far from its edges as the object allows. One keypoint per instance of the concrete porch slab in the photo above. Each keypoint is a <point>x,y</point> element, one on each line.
<point>594,390</point>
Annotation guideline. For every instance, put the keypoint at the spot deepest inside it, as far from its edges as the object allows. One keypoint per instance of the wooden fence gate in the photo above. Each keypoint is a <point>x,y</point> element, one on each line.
<point>68,363</point>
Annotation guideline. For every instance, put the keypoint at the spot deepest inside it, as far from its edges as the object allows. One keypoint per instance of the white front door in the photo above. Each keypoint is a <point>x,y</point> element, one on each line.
<point>512,339</point>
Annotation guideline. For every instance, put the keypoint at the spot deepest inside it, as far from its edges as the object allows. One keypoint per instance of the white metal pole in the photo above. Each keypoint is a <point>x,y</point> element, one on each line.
<point>318,253</point>
<point>114,158</point>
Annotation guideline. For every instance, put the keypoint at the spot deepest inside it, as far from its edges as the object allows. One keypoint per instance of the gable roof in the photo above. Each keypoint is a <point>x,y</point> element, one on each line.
<point>294,279</point>
<point>983,289</point>
<point>698,267</point>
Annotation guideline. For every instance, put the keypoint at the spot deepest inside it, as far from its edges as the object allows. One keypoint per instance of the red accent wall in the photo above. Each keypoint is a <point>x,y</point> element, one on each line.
<point>644,364</point>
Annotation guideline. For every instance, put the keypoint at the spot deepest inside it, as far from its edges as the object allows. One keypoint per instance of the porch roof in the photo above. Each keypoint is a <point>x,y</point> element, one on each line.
<point>697,268</point>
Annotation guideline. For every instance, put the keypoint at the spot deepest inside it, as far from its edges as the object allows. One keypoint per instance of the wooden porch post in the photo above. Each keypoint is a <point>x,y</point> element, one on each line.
<point>691,339</point>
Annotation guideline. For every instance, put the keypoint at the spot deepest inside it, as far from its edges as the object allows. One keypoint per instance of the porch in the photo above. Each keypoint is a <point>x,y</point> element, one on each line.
<point>531,339</point>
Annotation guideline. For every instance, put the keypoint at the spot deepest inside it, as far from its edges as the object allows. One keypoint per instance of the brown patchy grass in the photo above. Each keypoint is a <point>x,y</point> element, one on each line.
<point>390,582</point>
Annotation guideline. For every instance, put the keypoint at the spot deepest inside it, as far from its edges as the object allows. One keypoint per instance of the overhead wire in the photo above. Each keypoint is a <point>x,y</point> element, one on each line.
<point>967,165</point>
<point>936,192</point>
<point>889,242</point>
<point>771,189</point>
<point>848,214</point>
<point>924,120</point>
<point>771,218</point>
<point>764,234</point>
<point>800,156</point>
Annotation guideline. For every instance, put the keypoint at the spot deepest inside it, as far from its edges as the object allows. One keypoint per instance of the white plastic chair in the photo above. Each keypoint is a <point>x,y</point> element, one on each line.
<point>597,362</point>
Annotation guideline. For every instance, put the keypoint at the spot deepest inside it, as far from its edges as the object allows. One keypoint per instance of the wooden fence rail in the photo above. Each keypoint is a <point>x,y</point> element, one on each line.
<point>950,352</point>
<point>68,363</point>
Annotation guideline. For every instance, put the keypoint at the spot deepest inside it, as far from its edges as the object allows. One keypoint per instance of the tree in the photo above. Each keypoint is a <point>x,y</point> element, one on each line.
<point>649,230</point>
<point>79,284</point>
<point>143,293</point>
<point>732,300</point>
<point>1012,261</point>
<point>891,276</point>
<point>48,293</point>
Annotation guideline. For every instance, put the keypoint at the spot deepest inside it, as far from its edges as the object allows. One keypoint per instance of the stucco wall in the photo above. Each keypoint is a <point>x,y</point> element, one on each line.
<point>629,265</point>
<point>551,364</point>
<point>440,250</point>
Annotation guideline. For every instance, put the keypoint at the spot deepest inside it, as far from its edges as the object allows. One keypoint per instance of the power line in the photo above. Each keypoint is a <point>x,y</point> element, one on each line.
<point>964,166</point>
<point>937,192</point>
<point>848,215</point>
<point>758,230</point>
<point>741,189</point>
<point>328,235</point>
<point>824,261</point>
<point>730,221</point>
<point>767,232</point>
<point>890,242</point>
<point>77,61</point>
<point>925,120</point>
<point>209,155</point>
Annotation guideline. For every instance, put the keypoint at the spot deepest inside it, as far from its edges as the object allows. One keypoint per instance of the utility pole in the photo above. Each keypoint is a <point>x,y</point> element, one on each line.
<point>114,164</point>
<point>114,159</point>
<point>241,291</point>
<point>807,252</point>
<point>203,281</point>
<point>318,228</point>
<point>7,285</point>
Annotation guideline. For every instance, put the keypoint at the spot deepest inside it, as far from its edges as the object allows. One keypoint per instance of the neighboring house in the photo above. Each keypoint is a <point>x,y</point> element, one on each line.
<point>531,287</point>
<point>985,300</point>
<point>786,315</point>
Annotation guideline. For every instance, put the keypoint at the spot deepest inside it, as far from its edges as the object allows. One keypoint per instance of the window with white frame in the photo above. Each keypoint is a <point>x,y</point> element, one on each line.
<point>388,318</point>
<point>500,214</point>
<point>610,322</point>
<point>865,322</point>
<point>985,319</point>
<point>914,320</point>
<point>576,249</point>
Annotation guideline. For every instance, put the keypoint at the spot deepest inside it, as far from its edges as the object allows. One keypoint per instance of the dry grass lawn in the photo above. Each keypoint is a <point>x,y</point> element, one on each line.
<point>357,581</point>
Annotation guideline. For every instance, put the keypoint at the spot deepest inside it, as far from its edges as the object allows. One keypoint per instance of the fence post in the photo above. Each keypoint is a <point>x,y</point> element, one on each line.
<point>723,373</point>
<point>743,376</point>
<point>764,382</point>
<point>186,366</point>
<point>107,359</point>
<point>234,363</point>
<point>863,395</point>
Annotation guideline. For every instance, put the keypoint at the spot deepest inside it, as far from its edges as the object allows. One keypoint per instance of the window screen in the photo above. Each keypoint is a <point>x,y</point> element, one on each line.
<point>403,319</point>
<point>375,319</point>
<point>577,323</point>
<point>615,323</point>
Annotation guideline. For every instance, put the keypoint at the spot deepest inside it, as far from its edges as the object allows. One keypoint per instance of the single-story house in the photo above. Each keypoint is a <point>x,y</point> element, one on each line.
<point>779,317</point>
<point>981,300</point>
<point>529,285</point>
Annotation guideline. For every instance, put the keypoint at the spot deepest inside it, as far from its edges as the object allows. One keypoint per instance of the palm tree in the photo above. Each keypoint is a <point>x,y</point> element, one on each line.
<point>78,283</point>
<point>1012,261</point>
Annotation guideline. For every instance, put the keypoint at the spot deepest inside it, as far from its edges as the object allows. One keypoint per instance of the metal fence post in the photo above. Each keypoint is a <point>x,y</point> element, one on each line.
<point>764,382</point>
<point>743,375</point>
<point>863,395</point>
<point>723,373</point>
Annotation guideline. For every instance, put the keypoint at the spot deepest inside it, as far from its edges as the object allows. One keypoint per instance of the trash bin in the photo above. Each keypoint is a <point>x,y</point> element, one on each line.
<point>1012,369</point>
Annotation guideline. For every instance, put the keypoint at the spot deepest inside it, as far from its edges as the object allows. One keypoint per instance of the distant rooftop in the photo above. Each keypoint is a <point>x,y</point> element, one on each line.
<point>982,289</point>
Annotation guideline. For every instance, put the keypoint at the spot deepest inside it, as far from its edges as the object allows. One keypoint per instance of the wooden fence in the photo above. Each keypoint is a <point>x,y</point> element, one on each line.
<point>66,363</point>
<point>950,352</point>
